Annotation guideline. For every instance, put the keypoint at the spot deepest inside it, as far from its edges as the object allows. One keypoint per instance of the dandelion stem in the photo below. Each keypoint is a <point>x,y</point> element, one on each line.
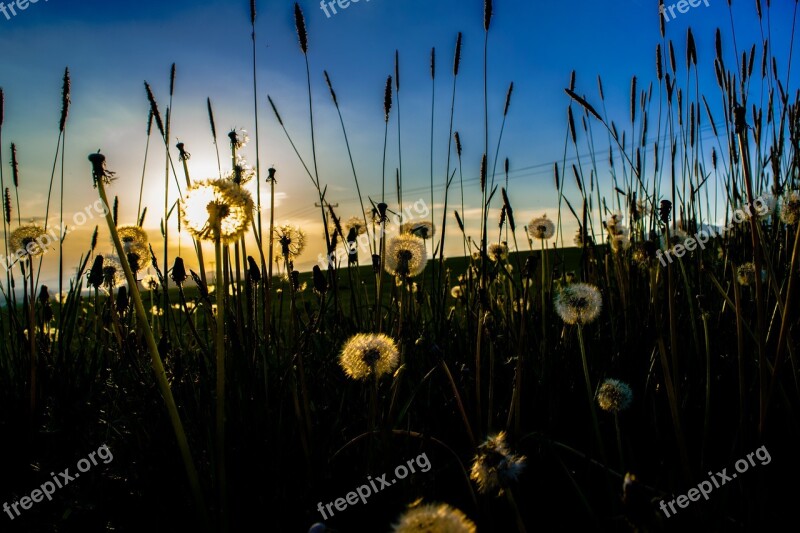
<point>158,366</point>
<point>619,442</point>
<point>222,290</point>
<point>590,394</point>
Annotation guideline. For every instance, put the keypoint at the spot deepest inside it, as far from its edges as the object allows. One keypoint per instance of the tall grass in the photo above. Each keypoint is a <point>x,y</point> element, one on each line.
<point>708,352</point>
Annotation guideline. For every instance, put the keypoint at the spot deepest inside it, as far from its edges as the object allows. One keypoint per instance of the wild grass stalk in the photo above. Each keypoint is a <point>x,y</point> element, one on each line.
<point>255,115</point>
<point>62,126</point>
<point>349,153</point>
<point>433,108</point>
<point>457,140</point>
<point>213,134</point>
<point>144,163</point>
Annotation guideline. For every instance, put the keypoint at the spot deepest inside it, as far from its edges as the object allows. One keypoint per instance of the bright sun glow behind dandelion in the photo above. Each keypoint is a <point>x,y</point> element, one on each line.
<point>216,202</point>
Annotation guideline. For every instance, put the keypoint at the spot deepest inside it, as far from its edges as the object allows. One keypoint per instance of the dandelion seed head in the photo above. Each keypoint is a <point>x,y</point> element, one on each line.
<point>25,236</point>
<point>433,518</point>
<point>614,225</point>
<point>239,138</point>
<point>790,208</point>
<point>640,257</point>
<point>134,241</point>
<point>579,303</point>
<point>614,396</point>
<point>113,275</point>
<point>423,229</point>
<point>498,252</point>
<point>366,355</point>
<point>746,274</point>
<point>494,466</point>
<point>406,256</point>
<point>676,236</point>
<point>541,228</point>
<point>216,206</point>
<point>291,239</point>
<point>619,243</point>
<point>150,282</point>
<point>579,238</point>
<point>355,223</point>
<point>242,172</point>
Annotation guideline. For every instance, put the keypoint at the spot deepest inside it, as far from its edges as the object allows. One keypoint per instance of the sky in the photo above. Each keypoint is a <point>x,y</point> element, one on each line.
<point>111,48</point>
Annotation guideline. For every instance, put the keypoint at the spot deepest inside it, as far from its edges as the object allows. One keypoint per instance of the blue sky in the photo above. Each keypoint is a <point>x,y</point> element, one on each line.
<point>112,47</point>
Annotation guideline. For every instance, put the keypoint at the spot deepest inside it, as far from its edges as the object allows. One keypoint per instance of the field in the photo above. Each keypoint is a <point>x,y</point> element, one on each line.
<point>638,374</point>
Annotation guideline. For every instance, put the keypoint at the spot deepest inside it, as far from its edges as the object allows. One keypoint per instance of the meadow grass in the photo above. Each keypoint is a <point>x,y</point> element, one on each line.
<point>552,386</point>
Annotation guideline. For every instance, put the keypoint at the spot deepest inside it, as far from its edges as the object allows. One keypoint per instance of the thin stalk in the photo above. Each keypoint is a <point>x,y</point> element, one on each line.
<point>158,366</point>
<point>590,394</point>
<point>619,442</point>
<point>220,385</point>
<point>459,403</point>
<point>744,150</point>
<point>707,417</point>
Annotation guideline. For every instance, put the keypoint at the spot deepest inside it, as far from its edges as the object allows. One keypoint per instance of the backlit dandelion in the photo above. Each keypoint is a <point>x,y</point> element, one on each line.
<point>406,256</point>
<point>763,206</point>
<point>541,228</point>
<point>423,229</point>
<point>216,208</point>
<point>238,138</point>
<point>498,252</point>
<point>579,303</point>
<point>291,239</point>
<point>639,257</point>
<point>368,354</point>
<point>790,208</point>
<point>614,225</point>
<point>134,241</point>
<point>113,275</point>
<point>614,396</point>
<point>494,466</point>
<point>433,518</point>
<point>619,243</point>
<point>746,274</point>
<point>676,236</point>
<point>24,241</point>
<point>355,225</point>
<point>150,282</point>
<point>580,237</point>
<point>242,172</point>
